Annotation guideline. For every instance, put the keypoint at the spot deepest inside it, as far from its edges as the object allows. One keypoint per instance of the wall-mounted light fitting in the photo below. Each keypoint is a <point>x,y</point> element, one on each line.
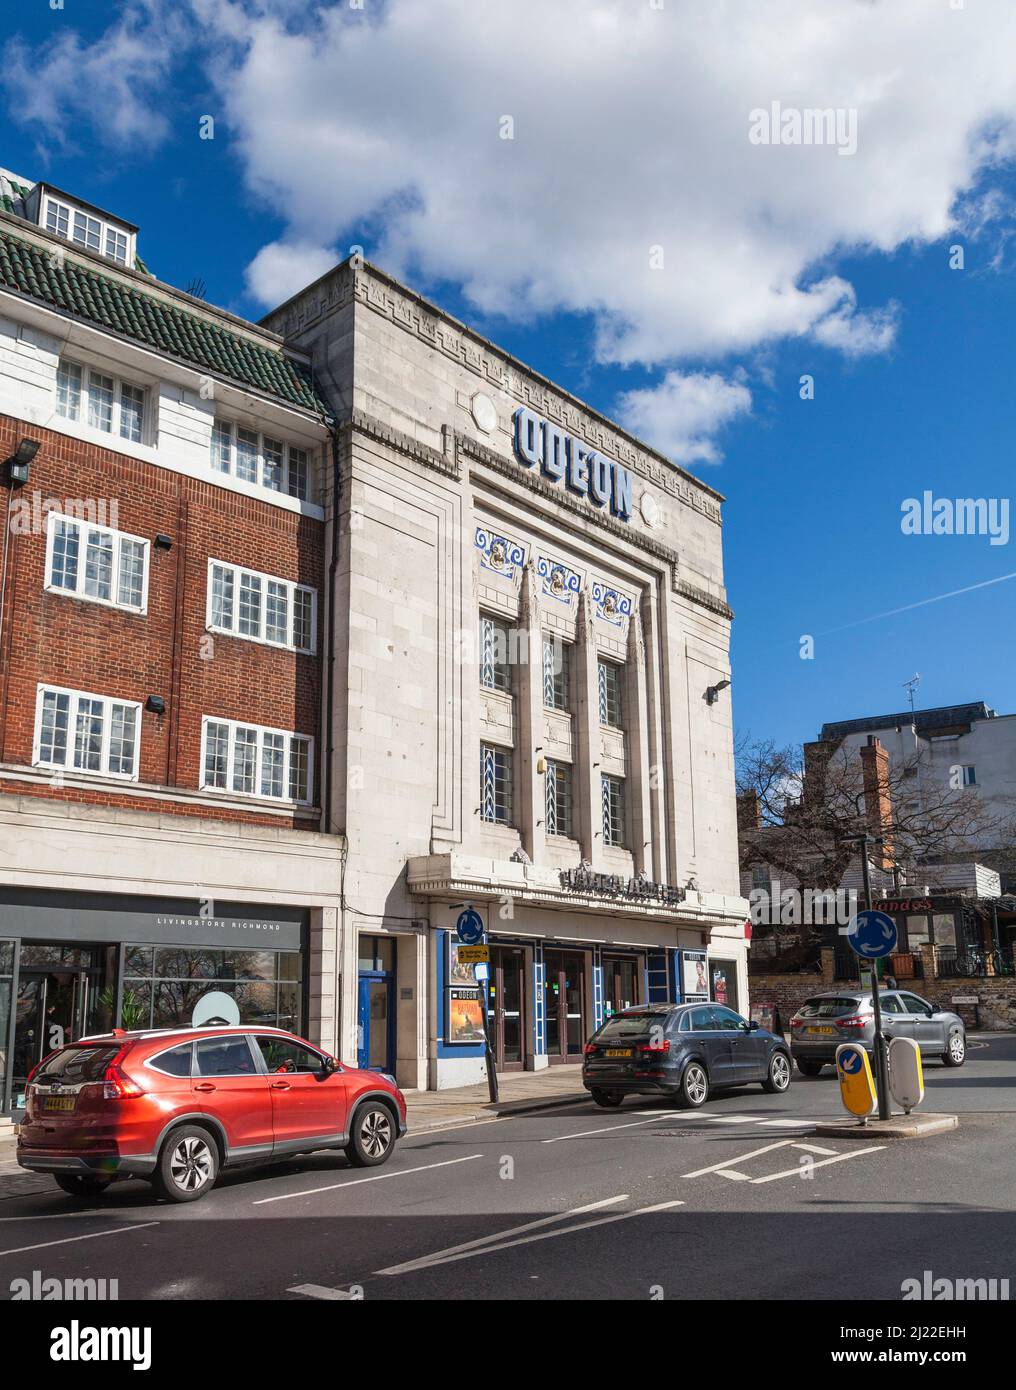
<point>155,704</point>
<point>163,542</point>
<point>17,464</point>
<point>713,691</point>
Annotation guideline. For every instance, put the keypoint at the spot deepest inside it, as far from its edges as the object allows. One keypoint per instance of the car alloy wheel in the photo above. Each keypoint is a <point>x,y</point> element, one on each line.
<point>191,1164</point>
<point>779,1072</point>
<point>957,1048</point>
<point>376,1132</point>
<point>696,1084</point>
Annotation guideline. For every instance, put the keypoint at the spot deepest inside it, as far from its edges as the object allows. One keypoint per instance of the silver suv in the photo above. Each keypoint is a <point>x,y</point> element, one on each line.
<point>826,1020</point>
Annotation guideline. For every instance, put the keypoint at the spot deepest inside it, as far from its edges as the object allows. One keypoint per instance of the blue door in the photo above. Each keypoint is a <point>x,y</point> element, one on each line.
<point>376,1022</point>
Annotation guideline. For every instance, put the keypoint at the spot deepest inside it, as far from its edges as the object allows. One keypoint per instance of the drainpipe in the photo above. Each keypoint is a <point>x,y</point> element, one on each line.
<point>330,651</point>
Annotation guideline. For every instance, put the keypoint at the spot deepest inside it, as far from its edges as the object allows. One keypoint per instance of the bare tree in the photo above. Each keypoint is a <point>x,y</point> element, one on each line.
<point>799,808</point>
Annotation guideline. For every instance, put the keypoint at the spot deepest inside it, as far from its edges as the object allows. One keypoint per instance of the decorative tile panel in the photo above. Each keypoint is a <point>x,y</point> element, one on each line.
<point>499,553</point>
<point>558,581</point>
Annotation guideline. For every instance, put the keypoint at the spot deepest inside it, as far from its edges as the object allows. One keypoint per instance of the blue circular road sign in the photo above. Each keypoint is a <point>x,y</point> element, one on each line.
<point>851,1062</point>
<point>469,927</point>
<point>872,934</point>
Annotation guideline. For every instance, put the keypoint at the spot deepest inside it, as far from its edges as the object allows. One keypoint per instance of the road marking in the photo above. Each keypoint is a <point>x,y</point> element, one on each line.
<point>814,1148</point>
<point>514,1231</point>
<point>733,1174</point>
<point>739,1158</point>
<point>790,1124</point>
<point>320,1291</point>
<point>441,1257</point>
<point>610,1129</point>
<point>67,1240</point>
<point>840,1158</point>
<point>378,1177</point>
<point>734,1119</point>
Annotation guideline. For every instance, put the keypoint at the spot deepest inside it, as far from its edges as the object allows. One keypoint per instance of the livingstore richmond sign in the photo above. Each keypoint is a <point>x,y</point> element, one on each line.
<point>565,460</point>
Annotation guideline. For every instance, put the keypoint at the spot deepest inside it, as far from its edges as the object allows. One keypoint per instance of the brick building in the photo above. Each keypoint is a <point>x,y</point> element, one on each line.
<point>520,706</point>
<point>161,630</point>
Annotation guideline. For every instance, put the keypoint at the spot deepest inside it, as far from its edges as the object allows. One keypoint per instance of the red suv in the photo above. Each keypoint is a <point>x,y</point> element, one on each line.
<point>176,1106</point>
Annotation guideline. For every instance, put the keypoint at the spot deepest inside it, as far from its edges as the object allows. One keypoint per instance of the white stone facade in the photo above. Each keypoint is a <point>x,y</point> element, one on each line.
<point>440,523</point>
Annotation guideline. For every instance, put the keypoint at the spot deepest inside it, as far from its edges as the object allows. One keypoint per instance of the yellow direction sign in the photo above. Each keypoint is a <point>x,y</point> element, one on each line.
<point>473,955</point>
<point>857,1085</point>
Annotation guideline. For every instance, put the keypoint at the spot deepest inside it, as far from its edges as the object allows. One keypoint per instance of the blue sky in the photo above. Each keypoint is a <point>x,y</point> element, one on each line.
<point>334,128</point>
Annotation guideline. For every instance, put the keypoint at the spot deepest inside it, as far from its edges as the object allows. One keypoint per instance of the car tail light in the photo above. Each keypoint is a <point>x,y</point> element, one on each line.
<point>797,1021</point>
<point>855,1021</point>
<point>116,1085</point>
<point>663,1046</point>
<point>589,1050</point>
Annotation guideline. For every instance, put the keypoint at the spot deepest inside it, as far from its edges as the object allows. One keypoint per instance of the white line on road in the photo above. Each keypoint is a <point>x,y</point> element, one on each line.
<point>497,1236</point>
<point>336,1186</point>
<point>739,1158</point>
<point>610,1129</point>
<point>442,1258</point>
<point>796,1172</point>
<point>67,1240</point>
<point>320,1291</point>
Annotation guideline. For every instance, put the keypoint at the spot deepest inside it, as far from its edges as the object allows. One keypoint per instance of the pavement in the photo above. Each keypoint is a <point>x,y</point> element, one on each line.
<point>738,1200</point>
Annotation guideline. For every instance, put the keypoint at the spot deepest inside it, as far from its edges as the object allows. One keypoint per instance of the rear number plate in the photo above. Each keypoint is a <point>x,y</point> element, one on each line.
<point>60,1102</point>
<point>827,1031</point>
<point>617,1052</point>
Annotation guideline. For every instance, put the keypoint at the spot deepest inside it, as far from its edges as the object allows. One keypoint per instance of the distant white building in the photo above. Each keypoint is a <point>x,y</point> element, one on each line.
<point>967,746</point>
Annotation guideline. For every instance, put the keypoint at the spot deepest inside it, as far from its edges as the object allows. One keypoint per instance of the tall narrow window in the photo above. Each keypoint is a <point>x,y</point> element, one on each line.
<point>495,784</point>
<point>613,810</point>
<point>250,605</point>
<point>68,391</point>
<point>495,670</point>
<point>100,401</point>
<point>559,800</point>
<point>609,676</point>
<point>555,672</point>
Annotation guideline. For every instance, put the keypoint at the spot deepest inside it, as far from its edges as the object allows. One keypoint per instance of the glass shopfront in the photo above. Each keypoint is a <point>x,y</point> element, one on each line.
<point>76,964</point>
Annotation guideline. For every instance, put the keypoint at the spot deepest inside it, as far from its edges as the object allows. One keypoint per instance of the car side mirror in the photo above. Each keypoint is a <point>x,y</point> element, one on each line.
<point>329,1065</point>
<point>753,1025</point>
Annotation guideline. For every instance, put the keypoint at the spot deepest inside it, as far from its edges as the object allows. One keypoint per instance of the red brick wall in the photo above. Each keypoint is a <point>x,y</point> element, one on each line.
<point>87,646</point>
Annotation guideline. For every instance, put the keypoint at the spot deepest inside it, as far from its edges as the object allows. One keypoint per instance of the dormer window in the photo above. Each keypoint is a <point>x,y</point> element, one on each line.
<point>87,229</point>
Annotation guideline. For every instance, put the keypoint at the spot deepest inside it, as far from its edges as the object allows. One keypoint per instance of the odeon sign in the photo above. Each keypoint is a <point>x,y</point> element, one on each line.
<point>565,460</point>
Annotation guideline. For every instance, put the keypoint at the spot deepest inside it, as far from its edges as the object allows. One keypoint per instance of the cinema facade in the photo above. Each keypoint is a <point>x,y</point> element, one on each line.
<point>528,710</point>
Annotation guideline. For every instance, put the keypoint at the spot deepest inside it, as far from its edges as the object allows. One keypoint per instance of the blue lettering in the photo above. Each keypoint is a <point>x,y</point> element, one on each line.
<point>527,436</point>
<point>620,502</point>
<point>553,451</point>
<point>578,465</point>
<point>600,470</point>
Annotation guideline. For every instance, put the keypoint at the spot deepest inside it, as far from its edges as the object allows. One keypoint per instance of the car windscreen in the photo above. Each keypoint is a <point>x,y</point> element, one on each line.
<point>630,1026</point>
<point>76,1065</point>
<point>829,1007</point>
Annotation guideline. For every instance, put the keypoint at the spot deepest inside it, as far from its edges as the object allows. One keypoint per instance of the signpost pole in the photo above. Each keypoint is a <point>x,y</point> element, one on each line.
<point>881,1059</point>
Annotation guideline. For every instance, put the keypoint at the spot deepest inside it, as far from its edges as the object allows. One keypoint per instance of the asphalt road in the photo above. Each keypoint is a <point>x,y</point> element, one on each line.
<point>739,1200</point>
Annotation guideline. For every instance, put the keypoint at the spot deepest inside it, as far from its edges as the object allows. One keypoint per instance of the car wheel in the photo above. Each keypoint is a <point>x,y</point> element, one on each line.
<point>809,1068</point>
<point>779,1074</point>
<point>81,1184</point>
<point>372,1137</point>
<point>188,1165</point>
<point>956,1053</point>
<point>608,1099</point>
<point>694,1090</point>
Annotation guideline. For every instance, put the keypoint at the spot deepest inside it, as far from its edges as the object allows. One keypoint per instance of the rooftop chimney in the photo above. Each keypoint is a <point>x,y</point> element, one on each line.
<point>878,807</point>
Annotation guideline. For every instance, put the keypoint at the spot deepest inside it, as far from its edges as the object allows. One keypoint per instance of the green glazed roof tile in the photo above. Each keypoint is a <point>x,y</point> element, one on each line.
<point>86,294</point>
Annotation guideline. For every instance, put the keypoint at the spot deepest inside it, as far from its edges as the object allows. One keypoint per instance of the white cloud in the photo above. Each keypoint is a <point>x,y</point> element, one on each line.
<point>680,416</point>
<point>281,268</point>
<point>631,132</point>
<point>114,84</point>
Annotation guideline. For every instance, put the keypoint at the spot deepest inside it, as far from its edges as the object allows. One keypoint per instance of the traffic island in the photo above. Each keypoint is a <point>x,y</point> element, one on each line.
<point>912,1126</point>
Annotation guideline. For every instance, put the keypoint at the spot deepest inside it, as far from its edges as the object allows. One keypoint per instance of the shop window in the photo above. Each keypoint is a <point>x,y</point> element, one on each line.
<point>166,983</point>
<point>612,789</point>
<point>495,784</point>
<point>559,798</point>
<point>261,607</point>
<point>94,562</point>
<point>87,733</point>
<point>609,680</point>
<point>556,662</point>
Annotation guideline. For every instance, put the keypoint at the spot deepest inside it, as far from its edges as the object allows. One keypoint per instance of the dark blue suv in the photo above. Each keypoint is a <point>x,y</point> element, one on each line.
<point>681,1050</point>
